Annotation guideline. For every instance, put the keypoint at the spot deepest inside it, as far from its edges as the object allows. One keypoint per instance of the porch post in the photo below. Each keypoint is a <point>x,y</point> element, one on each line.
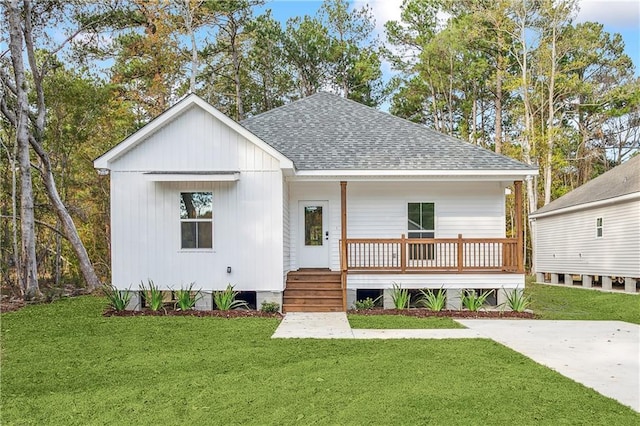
<point>343,238</point>
<point>519,231</point>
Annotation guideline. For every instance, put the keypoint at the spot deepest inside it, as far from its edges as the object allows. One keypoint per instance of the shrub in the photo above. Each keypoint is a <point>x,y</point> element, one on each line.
<point>270,307</point>
<point>118,299</point>
<point>517,301</point>
<point>367,303</point>
<point>472,301</point>
<point>152,295</point>
<point>434,301</point>
<point>401,297</point>
<point>226,300</point>
<point>186,299</point>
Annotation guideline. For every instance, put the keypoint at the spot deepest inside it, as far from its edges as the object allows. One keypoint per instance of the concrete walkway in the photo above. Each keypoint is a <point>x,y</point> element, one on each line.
<point>603,355</point>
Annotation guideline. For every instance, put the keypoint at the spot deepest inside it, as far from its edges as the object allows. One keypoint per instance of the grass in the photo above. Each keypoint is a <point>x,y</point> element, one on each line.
<point>400,321</point>
<point>65,364</point>
<point>566,303</point>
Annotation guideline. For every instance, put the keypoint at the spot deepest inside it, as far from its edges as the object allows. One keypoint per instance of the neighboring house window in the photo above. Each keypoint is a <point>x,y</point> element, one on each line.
<point>599,227</point>
<point>196,220</point>
<point>421,224</point>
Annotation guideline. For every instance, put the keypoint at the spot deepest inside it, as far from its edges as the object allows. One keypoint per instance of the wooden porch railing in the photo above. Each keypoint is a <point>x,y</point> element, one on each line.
<point>432,255</point>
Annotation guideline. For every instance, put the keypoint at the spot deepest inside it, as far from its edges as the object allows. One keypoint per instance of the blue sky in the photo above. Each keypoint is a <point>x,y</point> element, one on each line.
<point>617,16</point>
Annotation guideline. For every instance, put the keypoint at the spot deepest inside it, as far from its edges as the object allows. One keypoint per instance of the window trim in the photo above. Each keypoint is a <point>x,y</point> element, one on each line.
<point>195,220</point>
<point>429,254</point>
<point>599,227</point>
<point>424,230</point>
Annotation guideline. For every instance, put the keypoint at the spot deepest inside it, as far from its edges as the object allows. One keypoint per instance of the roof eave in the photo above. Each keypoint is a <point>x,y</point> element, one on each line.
<point>584,206</point>
<point>452,175</point>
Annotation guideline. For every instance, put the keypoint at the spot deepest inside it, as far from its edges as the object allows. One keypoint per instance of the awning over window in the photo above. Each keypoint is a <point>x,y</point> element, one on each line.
<point>191,176</point>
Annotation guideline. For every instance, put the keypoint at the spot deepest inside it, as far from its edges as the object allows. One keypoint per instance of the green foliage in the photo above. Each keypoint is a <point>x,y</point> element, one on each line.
<point>472,301</point>
<point>517,300</point>
<point>400,322</point>
<point>401,297</point>
<point>63,355</point>
<point>270,307</point>
<point>118,299</point>
<point>153,296</point>
<point>226,300</point>
<point>186,298</point>
<point>434,301</point>
<point>367,303</point>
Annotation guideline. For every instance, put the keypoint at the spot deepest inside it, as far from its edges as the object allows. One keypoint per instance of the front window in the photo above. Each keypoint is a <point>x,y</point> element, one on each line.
<point>599,227</point>
<point>421,223</point>
<point>196,220</point>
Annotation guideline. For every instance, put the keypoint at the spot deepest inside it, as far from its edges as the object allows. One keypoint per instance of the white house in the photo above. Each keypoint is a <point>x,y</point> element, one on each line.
<point>309,204</point>
<point>593,231</point>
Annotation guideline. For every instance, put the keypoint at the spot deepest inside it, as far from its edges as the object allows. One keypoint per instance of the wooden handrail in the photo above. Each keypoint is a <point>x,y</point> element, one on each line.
<point>430,254</point>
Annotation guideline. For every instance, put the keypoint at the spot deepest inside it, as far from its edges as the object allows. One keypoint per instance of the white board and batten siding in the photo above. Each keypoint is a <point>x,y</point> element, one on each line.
<point>247,213</point>
<point>566,243</point>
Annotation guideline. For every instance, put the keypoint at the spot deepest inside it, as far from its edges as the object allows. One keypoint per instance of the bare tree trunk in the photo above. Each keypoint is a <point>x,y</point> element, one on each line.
<point>69,227</point>
<point>27,220</point>
<point>498,145</point>
<point>548,172</point>
<point>29,122</point>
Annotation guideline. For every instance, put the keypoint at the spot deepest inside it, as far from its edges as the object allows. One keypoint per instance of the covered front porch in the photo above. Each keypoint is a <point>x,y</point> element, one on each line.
<point>418,258</point>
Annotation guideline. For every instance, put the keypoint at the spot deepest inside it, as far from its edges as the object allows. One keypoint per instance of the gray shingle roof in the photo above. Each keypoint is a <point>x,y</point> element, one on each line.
<point>327,132</point>
<point>621,180</point>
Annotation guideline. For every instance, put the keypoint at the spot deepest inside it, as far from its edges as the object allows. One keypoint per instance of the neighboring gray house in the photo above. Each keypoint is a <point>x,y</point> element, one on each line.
<point>309,204</point>
<point>593,231</point>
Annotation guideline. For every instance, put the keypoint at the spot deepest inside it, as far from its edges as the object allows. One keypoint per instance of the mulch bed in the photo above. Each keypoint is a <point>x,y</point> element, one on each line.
<point>424,313</point>
<point>239,313</point>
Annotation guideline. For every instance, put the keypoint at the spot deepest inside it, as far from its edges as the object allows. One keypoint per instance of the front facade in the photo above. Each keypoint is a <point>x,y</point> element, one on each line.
<point>198,198</point>
<point>591,236</point>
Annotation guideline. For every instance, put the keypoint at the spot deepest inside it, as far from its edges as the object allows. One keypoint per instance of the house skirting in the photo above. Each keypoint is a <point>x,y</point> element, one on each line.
<point>595,281</point>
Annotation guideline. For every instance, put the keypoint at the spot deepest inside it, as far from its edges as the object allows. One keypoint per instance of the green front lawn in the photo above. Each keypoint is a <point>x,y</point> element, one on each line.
<point>567,303</point>
<point>400,321</point>
<point>66,364</point>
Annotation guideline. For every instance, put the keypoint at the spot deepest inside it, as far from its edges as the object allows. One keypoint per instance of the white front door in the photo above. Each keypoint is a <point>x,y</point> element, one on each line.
<point>313,231</point>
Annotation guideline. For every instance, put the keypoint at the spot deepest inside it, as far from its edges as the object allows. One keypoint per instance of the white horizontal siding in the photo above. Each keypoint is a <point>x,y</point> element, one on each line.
<point>567,243</point>
<point>315,191</point>
<point>379,209</point>
<point>447,281</point>
<point>247,219</point>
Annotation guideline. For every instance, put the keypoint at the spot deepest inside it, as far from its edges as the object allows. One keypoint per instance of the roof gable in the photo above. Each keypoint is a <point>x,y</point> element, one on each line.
<point>155,125</point>
<point>617,182</point>
<point>328,132</point>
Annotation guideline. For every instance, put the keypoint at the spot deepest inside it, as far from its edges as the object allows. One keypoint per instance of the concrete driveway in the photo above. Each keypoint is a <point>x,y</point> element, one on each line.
<point>603,355</point>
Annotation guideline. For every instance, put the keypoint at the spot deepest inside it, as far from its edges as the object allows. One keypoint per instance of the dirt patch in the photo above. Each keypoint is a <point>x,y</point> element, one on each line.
<point>239,313</point>
<point>10,305</point>
<point>424,313</point>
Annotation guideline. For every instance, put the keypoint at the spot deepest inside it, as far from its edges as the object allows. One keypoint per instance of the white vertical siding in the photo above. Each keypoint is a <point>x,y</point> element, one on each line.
<point>193,141</point>
<point>379,209</point>
<point>247,216</point>
<point>567,243</point>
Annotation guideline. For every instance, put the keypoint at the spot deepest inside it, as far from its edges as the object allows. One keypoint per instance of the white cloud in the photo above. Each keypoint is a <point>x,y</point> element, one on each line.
<point>617,13</point>
<point>383,11</point>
